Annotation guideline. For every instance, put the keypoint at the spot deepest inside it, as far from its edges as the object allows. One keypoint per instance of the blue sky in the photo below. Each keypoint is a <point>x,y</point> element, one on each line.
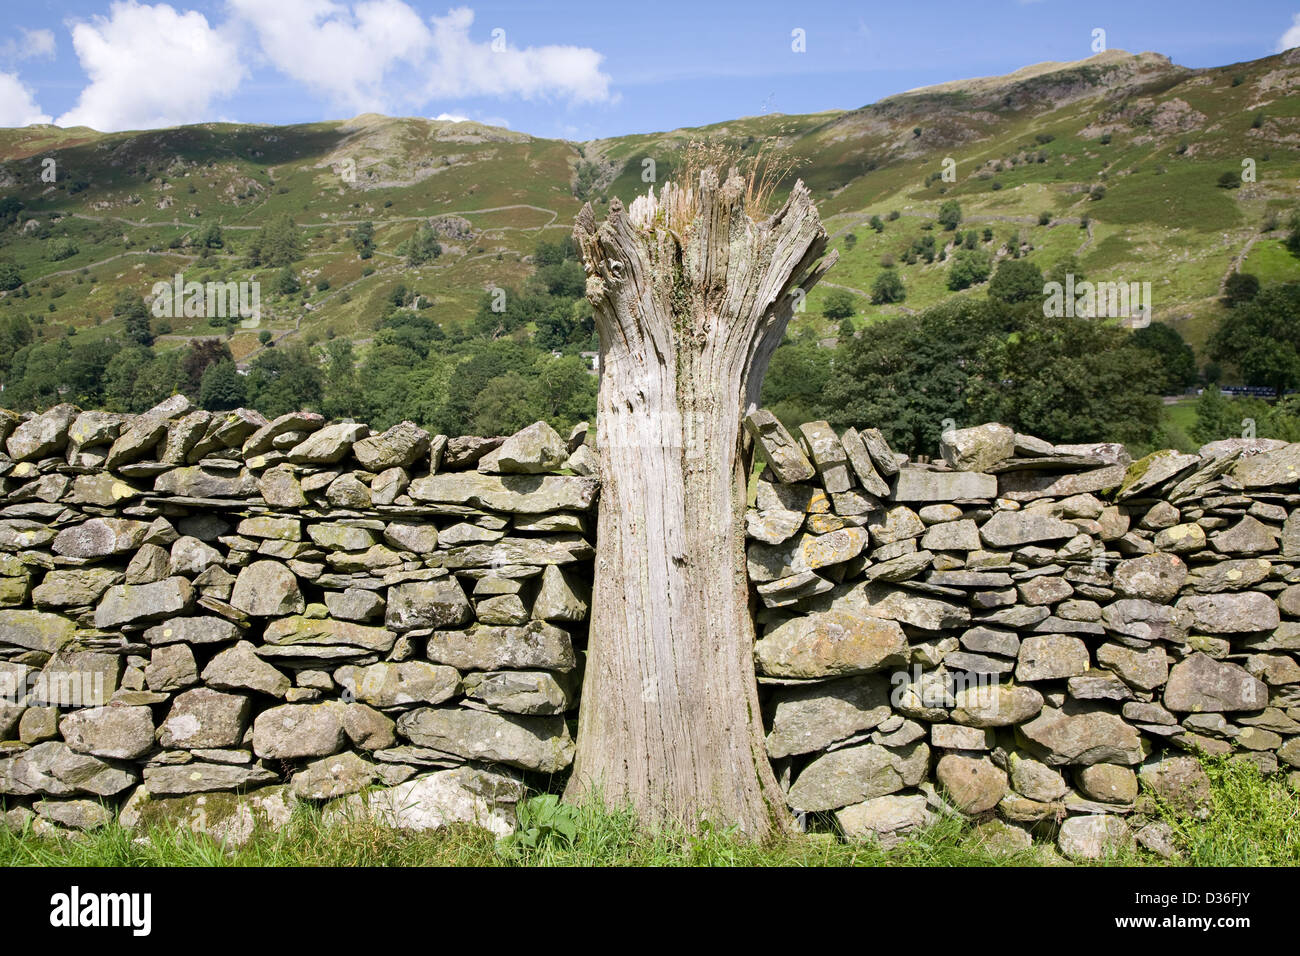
<point>577,70</point>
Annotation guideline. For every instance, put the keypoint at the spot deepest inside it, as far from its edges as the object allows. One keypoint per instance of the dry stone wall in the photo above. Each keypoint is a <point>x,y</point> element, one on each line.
<point>1037,636</point>
<point>212,616</point>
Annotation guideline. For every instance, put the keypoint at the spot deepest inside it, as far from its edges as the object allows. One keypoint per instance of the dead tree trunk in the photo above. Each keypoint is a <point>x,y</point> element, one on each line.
<point>691,297</point>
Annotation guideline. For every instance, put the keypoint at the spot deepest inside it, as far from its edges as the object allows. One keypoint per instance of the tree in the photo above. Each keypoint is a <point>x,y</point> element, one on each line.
<point>423,246</point>
<point>1262,338</point>
<point>1017,280</point>
<point>969,267</point>
<point>211,238</point>
<point>888,288</point>
<point>670,721</point>
<point>796,377</point>
<point>504,405</point>
<point>283,380</point>
<point>133,312</point>
<point>950,214</point>
<point>1069,380</point>
<point>10,277</point>
<point>201,354</point>
<point>1228,179</point>
<point>342,398</point>
<point>839,304</point>
<point>363,240</point>
<point>1175,358</point>
<point>1063,268</point>
<point>286,281</point>
<point>222,387</point>
<point>277,243</point>
<point>1240,288</point>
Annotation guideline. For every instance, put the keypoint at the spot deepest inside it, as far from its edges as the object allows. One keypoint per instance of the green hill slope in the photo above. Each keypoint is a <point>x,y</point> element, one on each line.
<point>1026,154</point>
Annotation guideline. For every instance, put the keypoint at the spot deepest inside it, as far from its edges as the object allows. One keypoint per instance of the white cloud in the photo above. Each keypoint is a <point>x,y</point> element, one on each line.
<point>17,105</point>
<point>29,45</point>
<point>1292,36</point>
<point>344,54</point>
<point>150,66</point>
<point>465,68</point>
<point>376,55</point>
<point>451,118</point>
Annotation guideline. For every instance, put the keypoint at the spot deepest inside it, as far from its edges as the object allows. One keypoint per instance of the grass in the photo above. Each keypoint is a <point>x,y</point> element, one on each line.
<point>1253,820</point>
<point>1270,261</point>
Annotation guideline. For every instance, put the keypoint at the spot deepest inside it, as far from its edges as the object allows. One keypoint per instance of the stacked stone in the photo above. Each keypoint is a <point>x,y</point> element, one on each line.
<point>212,615</point>
<point>1045,632</point>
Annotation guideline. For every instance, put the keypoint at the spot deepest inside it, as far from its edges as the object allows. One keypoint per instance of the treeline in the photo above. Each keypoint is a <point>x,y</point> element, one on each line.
<point>974,359</point>
<point>997,357</point>
<point>409,372</point>
<point>516,360</point>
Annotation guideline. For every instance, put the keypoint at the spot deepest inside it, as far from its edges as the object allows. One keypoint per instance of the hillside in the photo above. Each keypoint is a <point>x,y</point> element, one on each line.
<point>1027,151</point>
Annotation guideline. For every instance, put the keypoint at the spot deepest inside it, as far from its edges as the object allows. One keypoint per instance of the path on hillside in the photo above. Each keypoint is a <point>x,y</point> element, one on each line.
<point>132,252</point>
<point>1237,262</point>
<point>150,223</point>
<point>847,288</point>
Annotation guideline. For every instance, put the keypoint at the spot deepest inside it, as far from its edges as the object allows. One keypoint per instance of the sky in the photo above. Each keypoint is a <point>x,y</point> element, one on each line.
<point>571,70</point>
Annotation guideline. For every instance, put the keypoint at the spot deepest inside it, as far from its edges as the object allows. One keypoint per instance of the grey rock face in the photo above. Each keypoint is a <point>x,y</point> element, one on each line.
<point>42,435</point>
<point>541,744</point>
<point>978,448</point>
<point>205,718</point>
<point>779,449</point>
<point>830,643</point>
<point>299,730</point>
<point>535,645</point>
<point>1093,836</point>
<point>121,733</point>
<point>462,795</point>
<point>1200,683</point>
<point>519,494</point>
<point>1014,528</point>
<point>974,784</point>
<point>267,589</point>
<point>854,774</point>
<point>203,778</point>
<point>399,447</point>
<point>520,692</point>
<point>124,604</point>
<point>808,719</point>
<point>530,451</point>
<point>100,537</point>
<point>1231,613</point>
<point>437,603</point>
<point>329,445</point>
<point>1082,735</point>
<point>239,668</point>
<point>884,820</point>
<point>917,484</point>
<point>397,685</point>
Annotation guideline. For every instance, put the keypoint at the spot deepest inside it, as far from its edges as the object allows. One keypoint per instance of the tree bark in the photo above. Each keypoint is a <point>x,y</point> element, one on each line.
<point>691,297</point>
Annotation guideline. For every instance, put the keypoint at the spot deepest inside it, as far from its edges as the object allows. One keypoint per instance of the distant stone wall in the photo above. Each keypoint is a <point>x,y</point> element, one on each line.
<point>1045,632</point>
<point>210,616</point>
